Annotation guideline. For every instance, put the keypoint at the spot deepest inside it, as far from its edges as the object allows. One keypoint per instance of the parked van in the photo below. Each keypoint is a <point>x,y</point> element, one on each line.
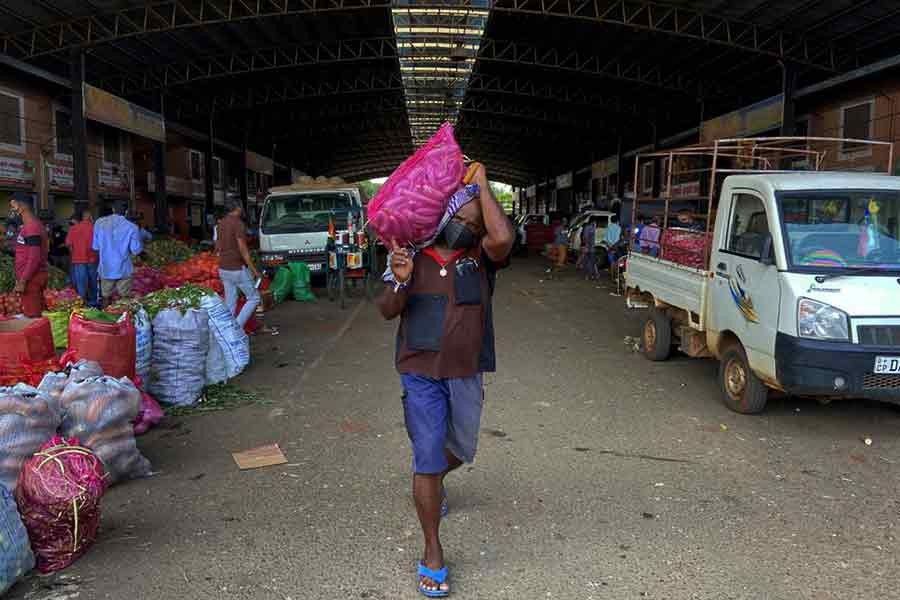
<point>293,224</point>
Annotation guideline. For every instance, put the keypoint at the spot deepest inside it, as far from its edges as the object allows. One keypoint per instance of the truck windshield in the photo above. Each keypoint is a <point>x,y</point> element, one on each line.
<point>305,213</point>
<point>837,230</point>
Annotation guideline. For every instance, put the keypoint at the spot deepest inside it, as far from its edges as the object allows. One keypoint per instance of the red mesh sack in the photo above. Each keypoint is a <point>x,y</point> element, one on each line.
<point>113,345</point>
<point>410,204</point>
<point>59,495</point>
<point>25,340</point>
<point>685,247</point>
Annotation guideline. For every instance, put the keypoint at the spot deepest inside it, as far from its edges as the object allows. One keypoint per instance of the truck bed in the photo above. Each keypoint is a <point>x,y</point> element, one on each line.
<point>669,282</point>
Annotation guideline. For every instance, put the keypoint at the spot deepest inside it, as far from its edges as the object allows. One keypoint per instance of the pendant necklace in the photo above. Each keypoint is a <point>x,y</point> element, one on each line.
<point>430,251</point>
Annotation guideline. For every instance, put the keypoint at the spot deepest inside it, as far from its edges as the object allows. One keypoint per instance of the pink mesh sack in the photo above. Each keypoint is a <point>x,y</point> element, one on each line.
<point>410,204</point>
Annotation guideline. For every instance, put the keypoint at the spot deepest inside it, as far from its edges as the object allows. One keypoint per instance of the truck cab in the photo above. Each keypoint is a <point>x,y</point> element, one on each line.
<point>294,222</point>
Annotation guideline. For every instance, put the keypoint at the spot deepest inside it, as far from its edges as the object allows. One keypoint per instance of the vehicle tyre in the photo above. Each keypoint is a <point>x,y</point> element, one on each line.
<point>656,337</point>
<point>742,391</point>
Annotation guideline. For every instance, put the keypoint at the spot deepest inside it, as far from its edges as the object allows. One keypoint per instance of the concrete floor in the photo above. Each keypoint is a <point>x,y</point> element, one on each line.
<point>600,475</point>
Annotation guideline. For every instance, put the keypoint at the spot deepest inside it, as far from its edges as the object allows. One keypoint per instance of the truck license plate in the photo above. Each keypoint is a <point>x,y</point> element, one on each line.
<point>887,364</point>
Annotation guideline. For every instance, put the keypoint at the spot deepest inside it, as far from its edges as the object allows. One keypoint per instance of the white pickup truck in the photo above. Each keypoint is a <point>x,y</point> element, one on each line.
<point>801,291</point>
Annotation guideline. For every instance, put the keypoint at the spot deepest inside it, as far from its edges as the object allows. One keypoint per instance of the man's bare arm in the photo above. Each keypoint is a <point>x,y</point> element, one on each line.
<point>391,303</point>
<point>245,254</point>
<point>499,236</point>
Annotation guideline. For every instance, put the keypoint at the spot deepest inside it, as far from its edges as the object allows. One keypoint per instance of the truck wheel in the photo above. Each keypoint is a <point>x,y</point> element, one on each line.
<point>742,390</point>
<point>657,336</point>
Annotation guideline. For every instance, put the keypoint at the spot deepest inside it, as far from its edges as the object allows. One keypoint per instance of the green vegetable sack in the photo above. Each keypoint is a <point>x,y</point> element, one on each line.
<point>302,291</point>
<point>59,327</point>
<point>283,285</point>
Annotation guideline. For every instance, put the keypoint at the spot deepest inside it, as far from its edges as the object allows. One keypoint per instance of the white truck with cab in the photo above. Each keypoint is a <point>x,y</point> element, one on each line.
<point>294,221</point>
<point>793,286</point>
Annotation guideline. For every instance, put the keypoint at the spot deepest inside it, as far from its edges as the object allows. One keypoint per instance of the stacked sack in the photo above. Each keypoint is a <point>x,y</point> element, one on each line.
<point>180,348</point>
<point>58,495</point>
<point>229,346</point>
<point>99,411</point>
<point>27,420</point>
<point>16,558</point>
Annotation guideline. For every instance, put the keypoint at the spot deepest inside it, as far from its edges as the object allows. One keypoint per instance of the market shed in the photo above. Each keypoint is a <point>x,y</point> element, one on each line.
<point>349,87</point>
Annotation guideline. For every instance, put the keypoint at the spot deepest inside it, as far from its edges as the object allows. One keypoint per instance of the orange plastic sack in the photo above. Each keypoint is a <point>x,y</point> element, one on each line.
<point>110,344</point>
<point>25,340</point>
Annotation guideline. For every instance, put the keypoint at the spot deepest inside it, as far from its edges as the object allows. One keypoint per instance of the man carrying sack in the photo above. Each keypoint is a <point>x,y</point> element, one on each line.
<point>443,295</point>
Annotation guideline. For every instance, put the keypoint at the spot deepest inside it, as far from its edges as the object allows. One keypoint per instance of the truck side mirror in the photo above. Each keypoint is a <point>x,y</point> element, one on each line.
<point>767,256</point>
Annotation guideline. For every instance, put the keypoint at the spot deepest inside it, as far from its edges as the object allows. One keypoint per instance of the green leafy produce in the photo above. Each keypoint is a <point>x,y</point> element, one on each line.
<point>56,278</point>
<point>7,274</point>
<point>221,396</point>
<point>93,314</point>
<point>181,298</point>
<point>159,253</point>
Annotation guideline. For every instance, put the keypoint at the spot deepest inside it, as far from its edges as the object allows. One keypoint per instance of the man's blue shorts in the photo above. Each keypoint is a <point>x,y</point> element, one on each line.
<point>441,414</point>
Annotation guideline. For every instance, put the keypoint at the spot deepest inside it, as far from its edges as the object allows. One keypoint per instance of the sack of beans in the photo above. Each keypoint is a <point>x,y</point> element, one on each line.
<point>59,495</point>
<point>27,420</point>
<point>99,411</point>
<point>409,206</point>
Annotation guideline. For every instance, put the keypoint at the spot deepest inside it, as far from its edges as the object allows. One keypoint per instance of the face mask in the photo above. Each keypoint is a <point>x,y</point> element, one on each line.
<point>458,236</point>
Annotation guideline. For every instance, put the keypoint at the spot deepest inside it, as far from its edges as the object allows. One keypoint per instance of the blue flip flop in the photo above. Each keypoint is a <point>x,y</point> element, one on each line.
<point>439,577</point>
<point>445,506</point>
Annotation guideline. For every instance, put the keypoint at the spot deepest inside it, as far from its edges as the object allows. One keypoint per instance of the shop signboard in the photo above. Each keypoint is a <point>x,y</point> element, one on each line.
<point>260,164</point>
<point>688,189</point>
<point>605,168</point>
<point>106,108</point>
<point>178,186</point>
<point>564,181</point>
<point>113,180</point>
<point>751,120</point>
<point>60,178</point>
<point>16,172</point>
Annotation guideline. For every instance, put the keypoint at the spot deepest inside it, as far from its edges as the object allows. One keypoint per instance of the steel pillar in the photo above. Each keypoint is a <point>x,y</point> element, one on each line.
<point>242,168</point>
<point>788,87</point>
<point>161,204</point>
<point>79,131</point>
<point>208,176</point>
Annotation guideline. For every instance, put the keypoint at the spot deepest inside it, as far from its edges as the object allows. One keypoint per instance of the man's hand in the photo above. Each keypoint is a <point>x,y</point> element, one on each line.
<point>480,177</point>
<point>20,287</point>
<point>401,264</point>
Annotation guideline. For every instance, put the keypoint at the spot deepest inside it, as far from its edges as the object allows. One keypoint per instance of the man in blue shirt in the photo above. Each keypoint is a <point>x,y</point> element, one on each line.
<point>116,239</point>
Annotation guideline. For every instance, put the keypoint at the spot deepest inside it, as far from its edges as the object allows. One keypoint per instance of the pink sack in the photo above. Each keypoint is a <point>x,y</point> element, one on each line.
<point>149,414</point>
<point>410,204</point>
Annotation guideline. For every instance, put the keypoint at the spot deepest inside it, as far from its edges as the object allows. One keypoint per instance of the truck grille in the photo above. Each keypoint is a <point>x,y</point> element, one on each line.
<point>874,381</point>
<point>879,335</point>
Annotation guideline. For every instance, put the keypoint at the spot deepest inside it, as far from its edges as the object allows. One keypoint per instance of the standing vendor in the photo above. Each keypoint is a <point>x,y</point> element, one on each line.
<point>32,248</point>
<point>236,268</point>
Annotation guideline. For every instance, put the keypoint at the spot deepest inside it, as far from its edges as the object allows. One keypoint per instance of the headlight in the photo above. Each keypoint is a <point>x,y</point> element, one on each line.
<point>820,321</point>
